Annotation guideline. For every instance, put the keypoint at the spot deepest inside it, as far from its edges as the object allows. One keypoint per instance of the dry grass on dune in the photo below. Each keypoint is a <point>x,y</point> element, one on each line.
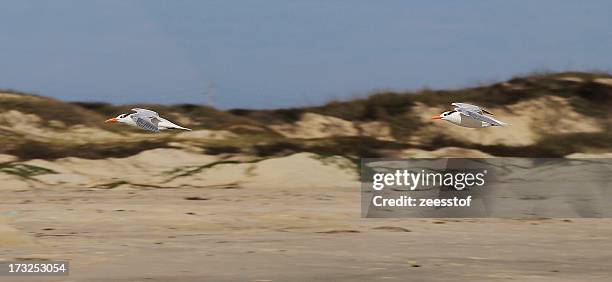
<point>382,124</point>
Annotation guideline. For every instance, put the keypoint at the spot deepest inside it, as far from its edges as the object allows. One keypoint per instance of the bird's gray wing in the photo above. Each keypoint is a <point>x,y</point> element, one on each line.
<point>467,106</point>
<point>470,107</point>
<point>145,113</point>
<point>145,123</point>
<point>479,116</point>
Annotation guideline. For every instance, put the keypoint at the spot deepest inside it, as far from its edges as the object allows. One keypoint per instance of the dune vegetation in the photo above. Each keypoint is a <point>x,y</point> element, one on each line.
<point>552,115</point>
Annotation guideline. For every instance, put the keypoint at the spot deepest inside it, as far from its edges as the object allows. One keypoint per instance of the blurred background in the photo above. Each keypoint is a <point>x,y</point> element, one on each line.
<point>285,98</point>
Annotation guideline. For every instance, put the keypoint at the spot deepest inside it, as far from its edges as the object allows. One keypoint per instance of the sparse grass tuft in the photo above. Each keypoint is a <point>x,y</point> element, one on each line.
<point>30,149</point>
<point>24,170</point>
<point>216,150</point>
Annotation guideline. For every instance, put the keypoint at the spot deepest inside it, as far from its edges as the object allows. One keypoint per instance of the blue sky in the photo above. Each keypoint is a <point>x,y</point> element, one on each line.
<point>267,54</point>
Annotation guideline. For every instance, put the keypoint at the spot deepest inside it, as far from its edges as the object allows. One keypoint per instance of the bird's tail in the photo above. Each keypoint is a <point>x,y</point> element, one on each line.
<point>501,123</point>
<point>183,128</point>
<point>168,124</point>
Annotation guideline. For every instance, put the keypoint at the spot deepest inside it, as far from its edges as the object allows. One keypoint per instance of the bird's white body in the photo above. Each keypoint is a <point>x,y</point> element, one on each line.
<point>163,123</point>
<point>471,116</point>
<point>465,121</point>
<point>147,120</point>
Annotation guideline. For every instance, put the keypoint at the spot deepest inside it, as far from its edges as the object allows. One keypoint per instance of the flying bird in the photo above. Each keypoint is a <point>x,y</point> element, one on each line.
<point>147,120</point>
<point>467,115</point>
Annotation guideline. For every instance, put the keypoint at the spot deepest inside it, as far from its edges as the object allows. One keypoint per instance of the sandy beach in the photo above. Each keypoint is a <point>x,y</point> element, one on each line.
<point>268,232</point>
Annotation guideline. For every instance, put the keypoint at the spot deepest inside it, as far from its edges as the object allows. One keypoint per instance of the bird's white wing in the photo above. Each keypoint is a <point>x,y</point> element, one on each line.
<point>146,123</point>
<point>469,107</point>
<point>479,116</point>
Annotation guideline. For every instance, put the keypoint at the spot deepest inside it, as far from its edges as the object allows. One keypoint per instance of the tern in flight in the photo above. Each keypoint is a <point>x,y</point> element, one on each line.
<point>467,115</point>
<point>145,119</point>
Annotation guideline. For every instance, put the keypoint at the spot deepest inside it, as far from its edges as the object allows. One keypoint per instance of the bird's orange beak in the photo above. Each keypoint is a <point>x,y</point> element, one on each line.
<point>111,120</point>
<point>436,117</point>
